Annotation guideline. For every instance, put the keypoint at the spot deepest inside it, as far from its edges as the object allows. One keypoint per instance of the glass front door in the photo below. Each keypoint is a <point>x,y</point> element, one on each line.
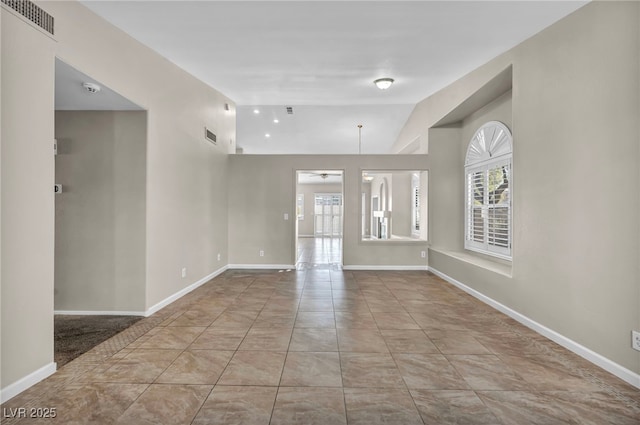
<point>328,214</point>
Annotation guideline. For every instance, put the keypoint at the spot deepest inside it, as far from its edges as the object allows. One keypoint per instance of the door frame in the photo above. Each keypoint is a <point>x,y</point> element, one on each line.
<point>294,202</point>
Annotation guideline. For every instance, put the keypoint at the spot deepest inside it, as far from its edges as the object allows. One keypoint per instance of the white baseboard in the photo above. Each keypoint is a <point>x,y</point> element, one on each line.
<point>595,358</point>
<point>98,313</point>
<point>261,266</point>
<point>392,268</point>
<point>33,378</point>
<point>183,292</point>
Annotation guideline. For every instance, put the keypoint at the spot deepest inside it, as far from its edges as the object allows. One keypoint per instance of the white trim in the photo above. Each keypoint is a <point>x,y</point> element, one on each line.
<point>587,354</point>
<point>183,292</point>
<point>98,313</point>
<point>31,379</point>
<point>490,253</point>
<point>377,267</point>
<point>260,266</point>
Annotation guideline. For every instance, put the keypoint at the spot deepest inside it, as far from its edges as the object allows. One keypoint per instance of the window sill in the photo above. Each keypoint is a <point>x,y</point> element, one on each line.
<point>494,265</point>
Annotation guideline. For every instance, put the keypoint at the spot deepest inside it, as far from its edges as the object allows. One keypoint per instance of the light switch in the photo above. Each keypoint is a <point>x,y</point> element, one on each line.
<point>286,216</point>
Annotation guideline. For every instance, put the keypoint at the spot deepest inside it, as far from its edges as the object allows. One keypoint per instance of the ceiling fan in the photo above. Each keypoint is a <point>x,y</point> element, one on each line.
<point>324,175</point>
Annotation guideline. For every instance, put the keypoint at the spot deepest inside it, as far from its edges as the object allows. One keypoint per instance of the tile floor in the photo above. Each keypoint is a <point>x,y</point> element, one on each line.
<point>320,251</point>
<point>326,346</point>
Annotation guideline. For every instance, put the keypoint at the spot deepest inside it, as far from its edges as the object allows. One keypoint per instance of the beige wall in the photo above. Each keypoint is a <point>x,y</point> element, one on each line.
<point>366,189</point>
<point>575,108</point>
<point>306,226</point>
<point>1,133</point>
<point>401,204</point>
<point>27,199</point>
<point>100,216</point>
<point>262,189</point>
<point>186,199</point>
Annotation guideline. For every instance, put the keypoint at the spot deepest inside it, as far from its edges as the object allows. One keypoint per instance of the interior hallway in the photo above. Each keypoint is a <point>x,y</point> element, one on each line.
<point>323,346</point>
<point>319,252</point>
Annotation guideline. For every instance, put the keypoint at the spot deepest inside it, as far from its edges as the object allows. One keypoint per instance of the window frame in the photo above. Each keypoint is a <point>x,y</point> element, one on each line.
<point>484,165</point>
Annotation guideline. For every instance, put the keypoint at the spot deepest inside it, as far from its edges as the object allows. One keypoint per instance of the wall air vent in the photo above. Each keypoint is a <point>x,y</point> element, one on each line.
<point>290,110</point>
<point>32,12</point>
<point>210,136</point>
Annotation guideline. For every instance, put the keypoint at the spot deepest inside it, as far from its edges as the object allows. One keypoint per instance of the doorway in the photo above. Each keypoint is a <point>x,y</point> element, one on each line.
<point>319,226</point>
<point>100,211</point>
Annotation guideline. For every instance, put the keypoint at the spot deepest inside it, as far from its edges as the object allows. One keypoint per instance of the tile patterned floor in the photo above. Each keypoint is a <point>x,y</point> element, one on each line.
<point>325,346</point>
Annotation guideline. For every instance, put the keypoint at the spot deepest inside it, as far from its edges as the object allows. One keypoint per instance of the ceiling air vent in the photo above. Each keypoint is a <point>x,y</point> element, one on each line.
<point>32,12</point>
<point>290,110</point>
<point>210,136</point>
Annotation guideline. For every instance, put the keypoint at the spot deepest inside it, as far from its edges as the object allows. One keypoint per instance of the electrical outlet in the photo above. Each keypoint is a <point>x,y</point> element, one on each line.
<point>261,253</point>
<point>218,257</point>
<point>423,254</point>
<point>184,272</point>
<point>635,340</point>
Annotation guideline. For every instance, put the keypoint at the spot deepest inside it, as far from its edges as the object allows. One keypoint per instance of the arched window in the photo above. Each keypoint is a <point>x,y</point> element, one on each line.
<point>488,191</point>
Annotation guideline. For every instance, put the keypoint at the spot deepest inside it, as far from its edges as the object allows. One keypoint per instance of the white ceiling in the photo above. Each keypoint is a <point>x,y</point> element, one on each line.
<point>320,129</point>
<point>316,177</point>
<point>322,57</point>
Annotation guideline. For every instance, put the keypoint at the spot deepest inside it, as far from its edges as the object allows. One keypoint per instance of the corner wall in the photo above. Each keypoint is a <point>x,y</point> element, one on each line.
<point>576,159</point>
<point>186,176</point>
<point>27,225</point>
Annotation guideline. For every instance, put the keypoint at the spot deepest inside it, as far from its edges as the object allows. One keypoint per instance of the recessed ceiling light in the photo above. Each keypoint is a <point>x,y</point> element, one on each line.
<point>267,135</point>
<point>256,111</point>
<point>383,83</point>
<point>276,121</point>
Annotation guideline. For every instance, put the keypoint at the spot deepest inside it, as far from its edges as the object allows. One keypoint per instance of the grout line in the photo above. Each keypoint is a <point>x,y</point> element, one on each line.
<point>404,381</point>
<point>373,281</point>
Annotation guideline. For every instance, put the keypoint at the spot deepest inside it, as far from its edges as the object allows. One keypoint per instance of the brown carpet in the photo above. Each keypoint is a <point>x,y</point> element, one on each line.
<point>75,335</point>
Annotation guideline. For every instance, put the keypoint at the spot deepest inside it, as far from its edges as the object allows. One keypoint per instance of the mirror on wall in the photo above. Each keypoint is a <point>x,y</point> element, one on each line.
<point>394,205</point>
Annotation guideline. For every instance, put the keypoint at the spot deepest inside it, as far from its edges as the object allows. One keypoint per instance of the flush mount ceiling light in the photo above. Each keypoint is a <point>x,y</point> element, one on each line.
<point>91,87</point>
<point>383,83</point>
<point>256,111</point>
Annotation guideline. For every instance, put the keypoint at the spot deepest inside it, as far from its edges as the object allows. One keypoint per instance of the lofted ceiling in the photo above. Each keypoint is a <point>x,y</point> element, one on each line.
<point>321,57</point>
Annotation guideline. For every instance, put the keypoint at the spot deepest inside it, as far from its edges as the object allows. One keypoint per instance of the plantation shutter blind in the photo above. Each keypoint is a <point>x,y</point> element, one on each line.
<point>488,191</point>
